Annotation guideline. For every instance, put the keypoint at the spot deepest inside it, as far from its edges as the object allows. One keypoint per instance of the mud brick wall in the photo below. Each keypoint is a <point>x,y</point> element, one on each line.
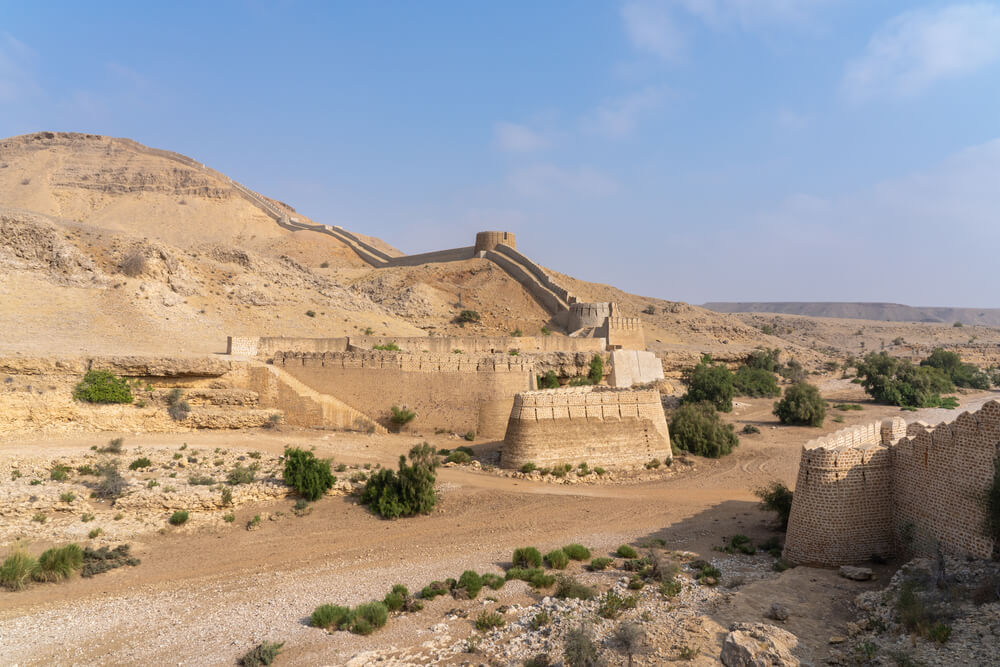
<point>457,392</point>
<point>887,488</point>
<point>626,333</point>
<point>602,426</point>
<point>480,344</point>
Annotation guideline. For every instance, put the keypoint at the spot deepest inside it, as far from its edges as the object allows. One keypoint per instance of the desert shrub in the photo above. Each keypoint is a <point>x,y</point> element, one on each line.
<point>528,467</point>
<point>580,381</point>
<point>111,483</point>
<point>792,371</point>
<point>612,605</point>
<point>179,517</point>
<point>67,496</point>
<point>388,347</point>
<point>698,429</point>
<point>487,620</point>
<point>16,570</point>
<point>548,381</point>
<point>540,660</point>
<point>577,551</point>
<point>706,573</point>
<point>626,551</point>
<point>263,653</point>
<point>201,480</point>
<point>764,359</point>
<point>471,582</point>
<point>399,417</point>
<point>494,581</point>
<point>709,382</point>
<point>103,387</point>
<point>670,589</point>
<point>142,462</point>
<point>86,469</point>
<point>846,407</point>
<point>457,456</point>
<point>527,557</point>
<point>132,264</point>
<point>739,543</point>
<point>434,589</point>
<point>534,576</point>
<point>59,472</point>
<point>96,532</point>
<point>580,649</point>
<point>557,559</point>
<point>596,371</point>
<point>628,638</point>
<point>58,563</point>
<point>569,587</point>
<point>309,476</point>
<point>114,446</point>
<point>407,493</point>
<point>468,316</point>
<point>776,497</point>
<point>329,616</point>
<point>755,382</point>
<point>802,405</point>
<point>241,475</point>
<point>374,613</point>
<point>961,374</point>
<point>750,429</point>
<point>600,564</point>
<point>898,382</point>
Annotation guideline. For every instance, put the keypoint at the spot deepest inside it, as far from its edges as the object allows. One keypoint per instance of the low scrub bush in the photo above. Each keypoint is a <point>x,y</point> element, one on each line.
<point>16,570</point>
<point>577,551</point>
<point>612,605</point>
<point>670,589</point>
<point>776,497</point>
<point>579,649</point>
<point>488,620</point>
<point>468,316</point>
<point>569,587</point>
<point>802,406</point>
<point>201,480</point>
<point>750,429</point>
<point>535,576</point>
<point>179,517</point>
<point>755,382</point>
<point>528,467</point>
<point>739,544</point>
<point>527,557</point>
<point>328,616</point>
<point>557,559</point>
<point>261,654</point>
<point>407,493</point>
<point>67,496</point>
<point>309,476</point>
<point>399,417</point>
<point>548,381</point>
<point>58,563</point>
<point>111,484</point>
<point>626,551</point>
<point>471,582</point>
<point>898,382</point>
<point>240,475</point>
<point>59,473</point>
<point>103,387</point>
<point>388,347</point>
<point>458,456</point>
<point>697,428</point>
<point>494,581</point>
<point>599,564</point>
<point>140,463</point>
<point>434,589</point>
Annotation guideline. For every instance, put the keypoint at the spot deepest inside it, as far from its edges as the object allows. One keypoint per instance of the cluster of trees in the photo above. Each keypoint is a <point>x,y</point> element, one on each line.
<point>899,382</point>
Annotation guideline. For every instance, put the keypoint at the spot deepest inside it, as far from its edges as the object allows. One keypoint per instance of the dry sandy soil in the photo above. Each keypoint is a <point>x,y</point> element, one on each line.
<point>206,592</point>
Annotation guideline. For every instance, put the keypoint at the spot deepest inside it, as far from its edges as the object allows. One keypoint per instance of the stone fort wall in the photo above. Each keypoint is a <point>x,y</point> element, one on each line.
<point>251,346</point>
<point>624,333</point>
<point>884,488</point>
<point>599,425</point>
<point>457,392</point>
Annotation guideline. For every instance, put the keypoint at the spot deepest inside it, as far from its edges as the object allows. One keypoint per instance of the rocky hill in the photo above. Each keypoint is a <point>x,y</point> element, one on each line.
<point>886,312</point>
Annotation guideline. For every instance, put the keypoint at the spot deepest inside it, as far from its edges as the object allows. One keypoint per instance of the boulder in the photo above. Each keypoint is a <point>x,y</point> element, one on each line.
<point>758,645</point>
<point>855,573</point>
<point>778,612</point>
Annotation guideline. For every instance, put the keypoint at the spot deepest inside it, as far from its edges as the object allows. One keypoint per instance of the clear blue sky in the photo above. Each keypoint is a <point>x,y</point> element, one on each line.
<point>689,149</point>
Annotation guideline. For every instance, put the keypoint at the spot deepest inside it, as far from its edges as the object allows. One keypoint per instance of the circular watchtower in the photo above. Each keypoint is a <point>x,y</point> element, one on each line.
<point>490,240</point>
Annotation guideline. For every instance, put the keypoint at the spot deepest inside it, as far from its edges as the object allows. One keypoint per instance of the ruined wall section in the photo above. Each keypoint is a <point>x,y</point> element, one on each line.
<point>940,478</point>
<point>252,346</point>
<point>883,489</point>
<point>599,425</point>
<point>624,333</point>
<point>456,392</point>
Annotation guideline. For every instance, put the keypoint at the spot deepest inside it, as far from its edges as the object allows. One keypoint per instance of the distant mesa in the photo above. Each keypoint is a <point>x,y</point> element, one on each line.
<point>884,312</point>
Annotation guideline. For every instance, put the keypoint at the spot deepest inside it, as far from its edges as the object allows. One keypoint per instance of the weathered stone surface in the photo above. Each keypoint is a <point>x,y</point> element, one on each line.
<point>855,573</point>
<point>758,645</point>
<point>778,612</point>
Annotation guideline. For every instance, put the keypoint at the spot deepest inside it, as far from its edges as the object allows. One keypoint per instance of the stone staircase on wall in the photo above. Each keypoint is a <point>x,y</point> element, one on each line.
<point>304,406</point>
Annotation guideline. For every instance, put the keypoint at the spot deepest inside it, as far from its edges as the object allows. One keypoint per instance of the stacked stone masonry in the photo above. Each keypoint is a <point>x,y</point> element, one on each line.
<point>886,489</point>
<point>457,392</point>
<point>597,425</point>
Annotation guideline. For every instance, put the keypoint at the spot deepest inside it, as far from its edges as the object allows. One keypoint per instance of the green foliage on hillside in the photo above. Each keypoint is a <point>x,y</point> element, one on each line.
<point>103,387</point>
<point>898,382</point>
<point>802,406</point>
<point>961,374</point>
<point>709,382</point>
<point>755,382</point>
<point>697,428</point>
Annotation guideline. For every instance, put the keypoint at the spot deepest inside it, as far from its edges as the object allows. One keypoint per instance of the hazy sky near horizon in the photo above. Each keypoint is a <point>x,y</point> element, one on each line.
<point>696,150</point>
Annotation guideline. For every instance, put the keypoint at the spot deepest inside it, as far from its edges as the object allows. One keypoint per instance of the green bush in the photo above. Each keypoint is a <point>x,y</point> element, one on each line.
<point>612,605</point>
<point>309,476</point>
<point>494,581</point>
<point>898,382</point>
<point>468,316</point>
<point>58,563</point>
<point>179,517</point>
<point>557,559</point>
<point>599,564</point>
<point>488,620</point>
<point>596,372</point>
<point>764,359</point>
<point>961,374</point>
<point>528,467</point>
<point>399,417</point>
<point>626,551</point>
<point>261,654</point>
<point>406,493</point>
<point>534,576</point>
<point>471,582</point>
<point>670,589</point>
<point>755,382</point>
<point>242,475</point>
<point>802,405</point>
<point>776,497</point>
<point>709,382</point>
<point>59,473</point>
<point>548,381</point>
<point>527,557</point>
<point>140,463</point>
<point>329,616</point>
<point>458,456</point>
<point>103,387</point>
<point>569,587</point>
<point>388,347</point>
<point>698,429</point>
<point>434,589</point>
<point>16,570</point>
<point>580,649</point>
<point>374,614</point>
<point>577,551</point>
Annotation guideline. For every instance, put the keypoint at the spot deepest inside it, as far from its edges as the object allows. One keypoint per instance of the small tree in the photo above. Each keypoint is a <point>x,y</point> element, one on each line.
<point>776,497</point>
<point>399,417</point>
<point>749,381</point>
<point>309,476</point>
<point>802,405</point>
<point>698,429</point>
<point>709,382</point>
<point>596,372</point>
<point>408,492</point>
<point>468,316</point>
